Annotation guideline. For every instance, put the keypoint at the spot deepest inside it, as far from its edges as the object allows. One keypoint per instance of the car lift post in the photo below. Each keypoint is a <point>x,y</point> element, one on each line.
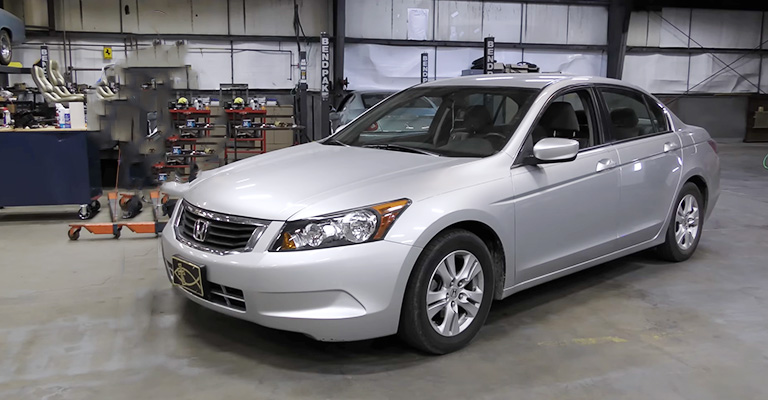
<point>301,136</point>
<point>325,85</point>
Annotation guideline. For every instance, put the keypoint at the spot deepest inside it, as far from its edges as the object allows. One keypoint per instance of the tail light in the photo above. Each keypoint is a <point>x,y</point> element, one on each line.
<point>374,126</point>
<point>713,145</point>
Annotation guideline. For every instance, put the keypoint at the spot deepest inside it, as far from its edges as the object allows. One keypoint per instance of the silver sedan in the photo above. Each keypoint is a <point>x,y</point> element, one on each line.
<point>518,179</point>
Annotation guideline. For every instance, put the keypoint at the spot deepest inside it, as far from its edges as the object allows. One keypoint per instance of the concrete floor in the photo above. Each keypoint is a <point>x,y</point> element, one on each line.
<point>96,319</point>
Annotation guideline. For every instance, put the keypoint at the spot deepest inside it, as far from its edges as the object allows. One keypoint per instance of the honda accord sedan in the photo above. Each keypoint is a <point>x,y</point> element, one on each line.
<point>517,180</point>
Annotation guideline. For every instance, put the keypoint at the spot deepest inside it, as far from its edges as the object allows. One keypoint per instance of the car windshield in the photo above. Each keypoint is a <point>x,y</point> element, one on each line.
<point>446,121</point>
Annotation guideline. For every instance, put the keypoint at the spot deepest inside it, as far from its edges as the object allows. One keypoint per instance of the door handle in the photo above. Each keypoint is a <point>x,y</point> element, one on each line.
<point>604,164</point>
<point>669,146</point>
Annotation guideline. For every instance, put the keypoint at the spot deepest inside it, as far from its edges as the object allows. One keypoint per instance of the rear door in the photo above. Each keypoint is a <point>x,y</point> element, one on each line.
<point>565,213</point>
<point>650,161</point>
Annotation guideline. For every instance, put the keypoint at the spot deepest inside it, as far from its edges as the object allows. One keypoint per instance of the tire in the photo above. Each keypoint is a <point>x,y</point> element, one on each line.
<point>95,205</point>
<point>687,218</point>
<point>6,49</point>
<point>74,233</point>
<point>420,330</point>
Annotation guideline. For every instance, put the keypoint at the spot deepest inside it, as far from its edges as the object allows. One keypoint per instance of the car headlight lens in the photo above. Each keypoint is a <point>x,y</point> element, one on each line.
<point>361,225</point>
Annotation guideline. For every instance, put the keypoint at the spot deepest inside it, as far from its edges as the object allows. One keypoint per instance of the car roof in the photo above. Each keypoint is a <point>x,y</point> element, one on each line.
<point>533,81</point>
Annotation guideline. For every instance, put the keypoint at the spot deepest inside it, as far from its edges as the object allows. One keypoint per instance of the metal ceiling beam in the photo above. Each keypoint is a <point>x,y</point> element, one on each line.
<point>478,44</point>
<point>618,25</point>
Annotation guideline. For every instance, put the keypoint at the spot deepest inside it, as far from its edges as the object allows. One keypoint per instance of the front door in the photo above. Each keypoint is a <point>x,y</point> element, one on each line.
<point>565,213</point>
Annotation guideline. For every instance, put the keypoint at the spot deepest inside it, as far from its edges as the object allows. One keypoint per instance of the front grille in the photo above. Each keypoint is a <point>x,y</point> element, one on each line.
<point>226,296</point>
<point>223,234</point>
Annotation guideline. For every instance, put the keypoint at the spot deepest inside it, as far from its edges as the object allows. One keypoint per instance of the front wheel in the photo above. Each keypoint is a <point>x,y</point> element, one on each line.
<point>685,226</point>
<point>449,293</point>
<point>6,50</point>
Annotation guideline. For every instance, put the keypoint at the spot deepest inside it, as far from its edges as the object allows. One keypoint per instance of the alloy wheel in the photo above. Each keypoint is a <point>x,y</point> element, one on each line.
<point>5,47</point>
<point>455,293</point>
<point>687,222</point>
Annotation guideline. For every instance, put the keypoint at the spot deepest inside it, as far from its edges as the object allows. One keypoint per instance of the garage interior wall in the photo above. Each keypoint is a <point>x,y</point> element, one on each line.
<point>396,66</point>
<point>658,56</point>
<point>264,64</point>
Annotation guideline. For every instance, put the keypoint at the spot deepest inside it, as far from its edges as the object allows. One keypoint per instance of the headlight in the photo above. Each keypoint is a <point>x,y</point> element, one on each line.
<point>360,225</point>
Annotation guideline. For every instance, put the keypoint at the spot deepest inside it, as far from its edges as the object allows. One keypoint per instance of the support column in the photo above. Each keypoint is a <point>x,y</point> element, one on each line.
<point>618,25</point>
<point>339,37</point>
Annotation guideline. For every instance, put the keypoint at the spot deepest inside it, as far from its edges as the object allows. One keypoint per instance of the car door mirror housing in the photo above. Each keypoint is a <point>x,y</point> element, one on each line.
<point>553,150</point>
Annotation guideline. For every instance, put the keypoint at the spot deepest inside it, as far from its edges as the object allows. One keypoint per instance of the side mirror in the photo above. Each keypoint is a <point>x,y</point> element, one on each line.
<point>553,150</point>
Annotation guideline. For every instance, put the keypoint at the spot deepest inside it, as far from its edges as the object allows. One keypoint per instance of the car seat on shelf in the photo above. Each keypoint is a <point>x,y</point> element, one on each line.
<point>60,84</point>
<point>47,89</point>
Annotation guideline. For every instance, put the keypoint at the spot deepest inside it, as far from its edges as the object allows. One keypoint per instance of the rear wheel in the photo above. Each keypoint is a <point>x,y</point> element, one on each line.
<point>685,226</point>
<point>6,51</point>
<point>449,293</point>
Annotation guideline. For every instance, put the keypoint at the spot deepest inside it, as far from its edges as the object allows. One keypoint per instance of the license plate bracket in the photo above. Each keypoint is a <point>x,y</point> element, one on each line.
<point>189,276</point>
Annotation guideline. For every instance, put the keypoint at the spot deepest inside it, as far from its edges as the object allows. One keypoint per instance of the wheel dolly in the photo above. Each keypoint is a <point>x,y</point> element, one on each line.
<point>115,227</point>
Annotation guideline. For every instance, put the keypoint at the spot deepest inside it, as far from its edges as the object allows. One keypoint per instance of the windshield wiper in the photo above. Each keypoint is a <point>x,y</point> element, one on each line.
<point>399,147</point>
<point>334,142</point>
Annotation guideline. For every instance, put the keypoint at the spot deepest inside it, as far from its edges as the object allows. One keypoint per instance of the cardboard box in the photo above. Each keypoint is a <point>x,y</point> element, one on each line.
<point>282,136</point>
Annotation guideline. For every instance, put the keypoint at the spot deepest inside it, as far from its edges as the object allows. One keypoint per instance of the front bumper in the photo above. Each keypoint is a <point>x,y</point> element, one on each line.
<point>336,294</point>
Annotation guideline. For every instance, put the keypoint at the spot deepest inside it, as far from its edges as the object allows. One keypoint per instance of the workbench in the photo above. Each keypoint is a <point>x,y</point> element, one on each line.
<point>49,166</point>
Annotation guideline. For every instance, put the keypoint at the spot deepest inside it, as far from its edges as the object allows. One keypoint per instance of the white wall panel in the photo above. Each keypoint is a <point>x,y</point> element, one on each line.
<point>509,56</point>
<point>637,34</point>
<point>727,81</point>
<point>378,67</point>
<point>100,16</point>
<point>89,54</point>
<point>264,69</point>
<point>726,28</point>
<point>674,21</point>
<point>210,60</point>
<point>275,17</point>
<point>451,60</point>
<point>209,17</point>
<point>765,30</point>
<point>654,29</point>
<point>369,19</point>
<point>459,21</point>
<point>400,17</point>
<point>165,16</point>
<point>35,12</point>
<point>236,17</point>
<point>567,62</point>
<point>764,75</point>
<point>657,73</point>
<point>67,15</point>
<point>502,21</point>
<point>587,25</point>
<point>131,17</point>
<point>545,23</point>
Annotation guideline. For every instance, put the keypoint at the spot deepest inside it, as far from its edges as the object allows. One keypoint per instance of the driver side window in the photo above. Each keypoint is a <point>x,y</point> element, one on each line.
<point>569,116</point>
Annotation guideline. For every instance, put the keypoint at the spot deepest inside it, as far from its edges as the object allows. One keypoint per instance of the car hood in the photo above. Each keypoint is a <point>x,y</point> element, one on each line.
<point>277,185</point>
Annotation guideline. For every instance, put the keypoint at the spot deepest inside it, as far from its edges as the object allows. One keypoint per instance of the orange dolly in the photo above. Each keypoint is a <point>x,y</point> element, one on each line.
<point>115,227</point>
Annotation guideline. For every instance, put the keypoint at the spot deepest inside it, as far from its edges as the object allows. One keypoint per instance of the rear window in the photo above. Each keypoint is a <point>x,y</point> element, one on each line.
<point>371,99</point>
<point>658,117</point>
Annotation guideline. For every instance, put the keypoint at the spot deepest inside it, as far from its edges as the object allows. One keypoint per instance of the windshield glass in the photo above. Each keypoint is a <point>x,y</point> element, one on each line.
<point>448,121</point>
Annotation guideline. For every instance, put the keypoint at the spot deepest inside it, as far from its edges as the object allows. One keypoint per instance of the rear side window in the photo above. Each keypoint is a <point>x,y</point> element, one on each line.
<point>628,114</point>
<point>658,118</point>
<point>371,99</point>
